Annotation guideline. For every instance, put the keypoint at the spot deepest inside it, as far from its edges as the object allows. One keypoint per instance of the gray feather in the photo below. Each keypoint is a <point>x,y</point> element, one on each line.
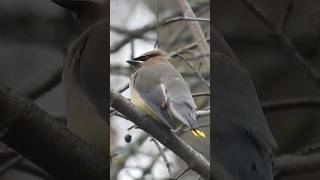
<point>149,83</point>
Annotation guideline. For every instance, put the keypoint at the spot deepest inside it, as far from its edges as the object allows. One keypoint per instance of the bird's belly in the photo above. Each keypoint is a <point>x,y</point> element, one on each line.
<point>137,100</point>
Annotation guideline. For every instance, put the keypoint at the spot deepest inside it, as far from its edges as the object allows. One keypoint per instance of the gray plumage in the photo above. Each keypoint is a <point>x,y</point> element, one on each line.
<point>84,77</point>
<point>162,83</point>
<point>242,141</point>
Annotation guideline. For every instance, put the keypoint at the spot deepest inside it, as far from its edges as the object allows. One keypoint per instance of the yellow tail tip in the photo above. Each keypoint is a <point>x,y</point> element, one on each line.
<point>198,133</point>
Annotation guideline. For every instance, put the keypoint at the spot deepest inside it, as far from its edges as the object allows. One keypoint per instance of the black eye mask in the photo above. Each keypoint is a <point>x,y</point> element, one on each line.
<point>145,57</point>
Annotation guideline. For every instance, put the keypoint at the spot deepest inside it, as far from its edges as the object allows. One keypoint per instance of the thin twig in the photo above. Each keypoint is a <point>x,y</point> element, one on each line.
<point>157,43</point>
<point>196,57</point>
<point>124,88</point>
<point>130,149</point>
<point>285,41</point>
<point>138,33</point>
<point>53,80</point>
<point>202,113</point>
<point>179,18</point>
<point>163,155</point>
<point>195,71</point>
<point>175,37</point>
<point>315,148</point>
<point>201,94</point>
<point>291,164</point>
<point>285,16</point>
<point>14,160</point>
<point>123,71</point>
<point>120,115</point>
<point>289,104</point>
<point>182,173</point>
<point>172,41</point>
<point>195,28</point>
<point>183,49</point>
<point>132,49</point>
<point>112,112</point>
<point>200,126</point>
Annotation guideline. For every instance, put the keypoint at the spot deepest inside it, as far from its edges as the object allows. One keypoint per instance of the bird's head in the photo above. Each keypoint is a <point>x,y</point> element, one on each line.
<point>149,58</point>
<point>87,11</point>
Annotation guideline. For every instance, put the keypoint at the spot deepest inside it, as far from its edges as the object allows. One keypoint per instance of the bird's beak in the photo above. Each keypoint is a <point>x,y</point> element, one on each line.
<point>132,62</point>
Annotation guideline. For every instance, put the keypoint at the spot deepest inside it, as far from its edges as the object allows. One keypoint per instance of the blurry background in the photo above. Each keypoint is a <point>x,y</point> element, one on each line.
<point>276,74</point>
<point>34,37</point>
<point>133,32</point>
<point>35,34</point>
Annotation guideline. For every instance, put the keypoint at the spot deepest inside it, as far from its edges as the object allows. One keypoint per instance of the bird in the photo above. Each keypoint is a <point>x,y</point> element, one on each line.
<point>160,91</point>
<point>241,139</point>
<point>84,75</point>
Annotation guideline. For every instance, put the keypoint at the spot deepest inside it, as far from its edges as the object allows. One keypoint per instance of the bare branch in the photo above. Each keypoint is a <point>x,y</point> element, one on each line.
<point>203,113</point>
<point>285,41</point>
<point>163,155</point>
<point>124,88</point>
<point>201,94</point>
<point>179,18</point>
<point>288,104</point>
<point>183,49</point>
<point>132,148</point>
<point>35,134</point>
<point>291,164</point>
<point>285,16</point>
<point>14,159</point>
<point>138,33</point>
<point>38,90</point>
<point>182,173</point>
<point>195,71</point>
<point>195,28</point>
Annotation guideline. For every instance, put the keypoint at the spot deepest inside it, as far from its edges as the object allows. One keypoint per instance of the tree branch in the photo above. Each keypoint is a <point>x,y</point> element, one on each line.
<point>39,137</point>
<point>291,164</point>
<point>138,33</point>
<point>287,44</point>
<point>195,28</point>
<point>183,49</point>
<point>38,90</point>
<point>195,160</point>
<point>180,18</point>
<point>280,105</point>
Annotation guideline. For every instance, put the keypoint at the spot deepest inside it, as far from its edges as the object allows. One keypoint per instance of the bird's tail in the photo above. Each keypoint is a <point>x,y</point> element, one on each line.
<point>197,133</point>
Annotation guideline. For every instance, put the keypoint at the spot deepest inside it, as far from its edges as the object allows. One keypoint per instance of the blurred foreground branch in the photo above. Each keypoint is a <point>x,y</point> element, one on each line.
<point>291,164</point>
<point>35,134</point>
<point>277,32</point>
<point>38,90</point>
<point>289,104</point>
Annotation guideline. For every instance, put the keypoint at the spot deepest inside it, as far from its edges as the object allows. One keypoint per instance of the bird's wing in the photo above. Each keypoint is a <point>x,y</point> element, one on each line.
<point>93,69</point>
<point>166,85</point>
<point>243,142</point>
<point>153,95</point>
<point>181,103</point>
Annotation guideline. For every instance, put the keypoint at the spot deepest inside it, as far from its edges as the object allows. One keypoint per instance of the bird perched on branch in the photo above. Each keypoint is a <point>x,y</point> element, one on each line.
<point>84,74</point>
<point>160,91</point>
<point>242,141</point>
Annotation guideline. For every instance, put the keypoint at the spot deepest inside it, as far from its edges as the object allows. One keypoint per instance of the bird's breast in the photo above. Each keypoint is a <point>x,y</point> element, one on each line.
<point>138,101</point>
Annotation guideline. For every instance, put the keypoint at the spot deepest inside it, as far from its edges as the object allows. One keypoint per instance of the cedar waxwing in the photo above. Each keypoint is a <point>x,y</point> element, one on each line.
<point>242,142</point>
<point>85,75</point>
<point>160,91</point>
